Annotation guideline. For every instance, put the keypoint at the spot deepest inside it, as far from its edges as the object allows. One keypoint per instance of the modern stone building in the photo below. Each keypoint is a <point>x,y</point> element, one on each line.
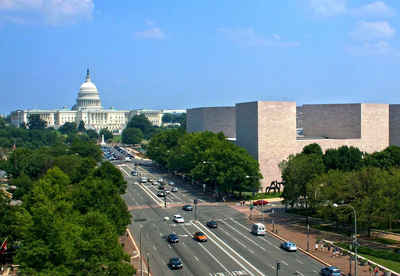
<point>267,130</point>
<point>88,108</point>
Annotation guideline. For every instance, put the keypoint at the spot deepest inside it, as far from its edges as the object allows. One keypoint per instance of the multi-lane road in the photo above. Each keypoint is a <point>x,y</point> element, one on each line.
<point>230,250</point>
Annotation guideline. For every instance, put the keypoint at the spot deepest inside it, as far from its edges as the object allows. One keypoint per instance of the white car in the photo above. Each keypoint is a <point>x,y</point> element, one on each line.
<point>179,219</point>
<point>171,183</point>
<point>174,189</point>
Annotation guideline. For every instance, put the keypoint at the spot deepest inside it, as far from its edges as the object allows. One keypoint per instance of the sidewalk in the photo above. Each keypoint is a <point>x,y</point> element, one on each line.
<point>298,234</point>
<point>130,247</point>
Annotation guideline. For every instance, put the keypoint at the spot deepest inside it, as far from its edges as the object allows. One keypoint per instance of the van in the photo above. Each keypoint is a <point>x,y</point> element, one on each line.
<point>258,229</point>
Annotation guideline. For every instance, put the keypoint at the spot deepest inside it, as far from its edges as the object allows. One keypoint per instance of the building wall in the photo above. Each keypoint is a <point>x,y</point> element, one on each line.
<point>394,124</point>
<point>337,121</point>
<point>276,137</point>
<point>215,119</point>
<point>247,127</point>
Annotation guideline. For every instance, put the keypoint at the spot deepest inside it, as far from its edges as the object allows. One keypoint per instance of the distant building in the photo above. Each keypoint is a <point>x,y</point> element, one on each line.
<point>271,131</point>
<point>88,109</point>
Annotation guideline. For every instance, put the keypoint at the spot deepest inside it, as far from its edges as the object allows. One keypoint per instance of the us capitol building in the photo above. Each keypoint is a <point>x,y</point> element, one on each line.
<point>89,110</point>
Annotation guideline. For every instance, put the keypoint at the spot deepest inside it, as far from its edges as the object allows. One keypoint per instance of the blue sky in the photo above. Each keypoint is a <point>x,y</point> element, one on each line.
<point>183,54</point>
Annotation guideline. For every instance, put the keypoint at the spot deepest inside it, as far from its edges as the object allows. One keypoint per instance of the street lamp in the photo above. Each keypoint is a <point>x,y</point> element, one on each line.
<point>355,233</point>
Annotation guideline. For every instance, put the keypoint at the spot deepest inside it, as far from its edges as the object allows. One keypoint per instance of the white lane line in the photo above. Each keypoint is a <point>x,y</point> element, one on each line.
<point>247,238</point>
<point>150,194</point>
<point>315,271</point>
<point>197,259</point>
<point>214,258</point>
<point>204,229</point>
<point>122,169</point>
<point>285,263</point>
<point>300,262</point>
<point>155,248</point>
<point>299,273</point>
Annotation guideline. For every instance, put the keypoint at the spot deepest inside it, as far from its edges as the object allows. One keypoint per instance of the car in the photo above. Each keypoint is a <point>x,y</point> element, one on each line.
<point>289,246</point>
<point>167,192</point>
<point>155,183</point>
<point>161,194</point>
<point>212,224</point>
<point>330,271</point>
<point>188,208</point>
<point>160,180</point>
<point>173,238</point>
<point>134,173</point>
<point>172,183</point>
<point>175,263</point>
<point>161,187</point>
<point>200,236</point>
<point>179,219</point>
<point>174,189</point>
<point>260,202</point>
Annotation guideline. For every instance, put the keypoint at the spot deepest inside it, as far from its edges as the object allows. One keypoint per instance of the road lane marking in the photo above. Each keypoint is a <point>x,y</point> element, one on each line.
<point>150,194</point>
<point>197,259</point>
<point>155,248</point>
<point>122,169</point>
<point>285,263</point>
<point>214,258</point>
<point>300,262</point>
<point>200,227</point>
<point>299,273</point>
<point>247,238</point>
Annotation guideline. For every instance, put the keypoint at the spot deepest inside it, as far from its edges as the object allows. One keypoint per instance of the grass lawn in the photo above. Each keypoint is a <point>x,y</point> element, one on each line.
<point>395,266</point>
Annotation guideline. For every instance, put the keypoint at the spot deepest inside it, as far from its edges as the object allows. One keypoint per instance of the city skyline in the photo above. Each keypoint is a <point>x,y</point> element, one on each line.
<point>157,55</point>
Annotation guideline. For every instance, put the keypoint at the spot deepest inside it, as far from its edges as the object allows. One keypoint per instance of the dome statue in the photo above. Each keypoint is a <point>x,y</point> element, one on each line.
<point>88,97</point>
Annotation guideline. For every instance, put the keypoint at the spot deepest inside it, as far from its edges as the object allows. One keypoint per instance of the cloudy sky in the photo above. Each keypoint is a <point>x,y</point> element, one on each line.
<point>182,54</point>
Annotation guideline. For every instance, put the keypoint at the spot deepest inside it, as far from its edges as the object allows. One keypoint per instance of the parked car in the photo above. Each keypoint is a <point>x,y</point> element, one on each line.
<point>212,224</point>
<point>289,246</point>
<point>330,271</point>
<point>174,189</point>
<point>260,202</point>
<point>179,219</point>
<point>200,236</point>
<point>188,208</point>
<point>173,238</point>
<point>175,263</point>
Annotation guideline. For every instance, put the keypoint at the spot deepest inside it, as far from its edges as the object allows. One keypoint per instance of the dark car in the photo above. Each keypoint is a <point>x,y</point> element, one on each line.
<point>175,263</point>
<point>161,187</point>
<point>212,224</point>
<point>330,271</point>
<point>173,238</point>
<point>188,208</point>
<point>161,194</point>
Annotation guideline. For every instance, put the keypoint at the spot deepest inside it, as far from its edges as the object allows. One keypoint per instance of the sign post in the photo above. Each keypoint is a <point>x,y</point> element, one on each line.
<point>204,188</point>
<point>195,201</point>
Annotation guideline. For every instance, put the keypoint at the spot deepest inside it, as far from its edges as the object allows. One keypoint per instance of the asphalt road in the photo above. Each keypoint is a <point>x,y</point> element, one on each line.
<point>230,250</point>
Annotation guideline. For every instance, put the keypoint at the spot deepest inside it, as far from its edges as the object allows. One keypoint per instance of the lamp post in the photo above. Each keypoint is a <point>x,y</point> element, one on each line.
<point>355,233</point>
<point>308,234</point>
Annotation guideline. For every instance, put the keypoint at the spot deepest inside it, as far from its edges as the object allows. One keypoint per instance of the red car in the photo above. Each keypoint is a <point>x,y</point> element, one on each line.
<point>260,202</point>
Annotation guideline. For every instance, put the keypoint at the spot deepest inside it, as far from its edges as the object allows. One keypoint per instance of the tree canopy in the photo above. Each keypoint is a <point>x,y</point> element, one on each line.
<point>107,134</point>
<point>132,136</point>
<point>141,122</point>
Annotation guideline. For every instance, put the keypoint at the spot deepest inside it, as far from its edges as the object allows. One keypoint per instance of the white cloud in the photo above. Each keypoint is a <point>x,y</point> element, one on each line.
<point>152,33</point>
<point>328,7</point>
<point>379,48</point>
<point>374,9</point>
<point>53,12</point>
<point>248,37</point>
<point>367,31</point>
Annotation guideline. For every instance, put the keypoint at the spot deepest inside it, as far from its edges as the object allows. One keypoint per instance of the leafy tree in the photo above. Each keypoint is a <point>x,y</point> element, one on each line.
<point>167,118</point>
<point>313,148</point>
<point>107,134</point>
<point>300,170</point>
<point>68,128</point>
<point>344,158</point>
<point>131,136</point>
<point>35,122</point>
<point>81,127</point>
<point>2,123</point>
<point>92,134</point>
<point>110,172</point>
<point>141,122</point>
<point>86,149</point>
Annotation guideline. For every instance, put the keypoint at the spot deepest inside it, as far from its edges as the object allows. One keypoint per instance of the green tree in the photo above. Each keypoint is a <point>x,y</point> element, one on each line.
<point>141,122</point>
<point>92,134</point>
<point>313,148</point>
<point>344,158</point>
<point>131,136</point>
<point>35,122</point>
<point>300,169</point>
<point>167,118</point>
<point>81,127</point>
<point>68,128</point>
<point>107,134</point>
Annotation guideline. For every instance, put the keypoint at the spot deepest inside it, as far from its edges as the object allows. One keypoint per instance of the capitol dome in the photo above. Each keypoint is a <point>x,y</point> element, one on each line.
<point>88,97</point>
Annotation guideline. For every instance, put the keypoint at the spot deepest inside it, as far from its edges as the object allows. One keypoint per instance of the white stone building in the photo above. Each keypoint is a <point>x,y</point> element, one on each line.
<point>87,109</point>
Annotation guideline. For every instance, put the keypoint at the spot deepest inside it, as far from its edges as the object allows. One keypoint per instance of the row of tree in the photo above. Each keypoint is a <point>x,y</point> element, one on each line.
<point>208,158</point>
<point>369,182</point>
<point>71,214</point>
